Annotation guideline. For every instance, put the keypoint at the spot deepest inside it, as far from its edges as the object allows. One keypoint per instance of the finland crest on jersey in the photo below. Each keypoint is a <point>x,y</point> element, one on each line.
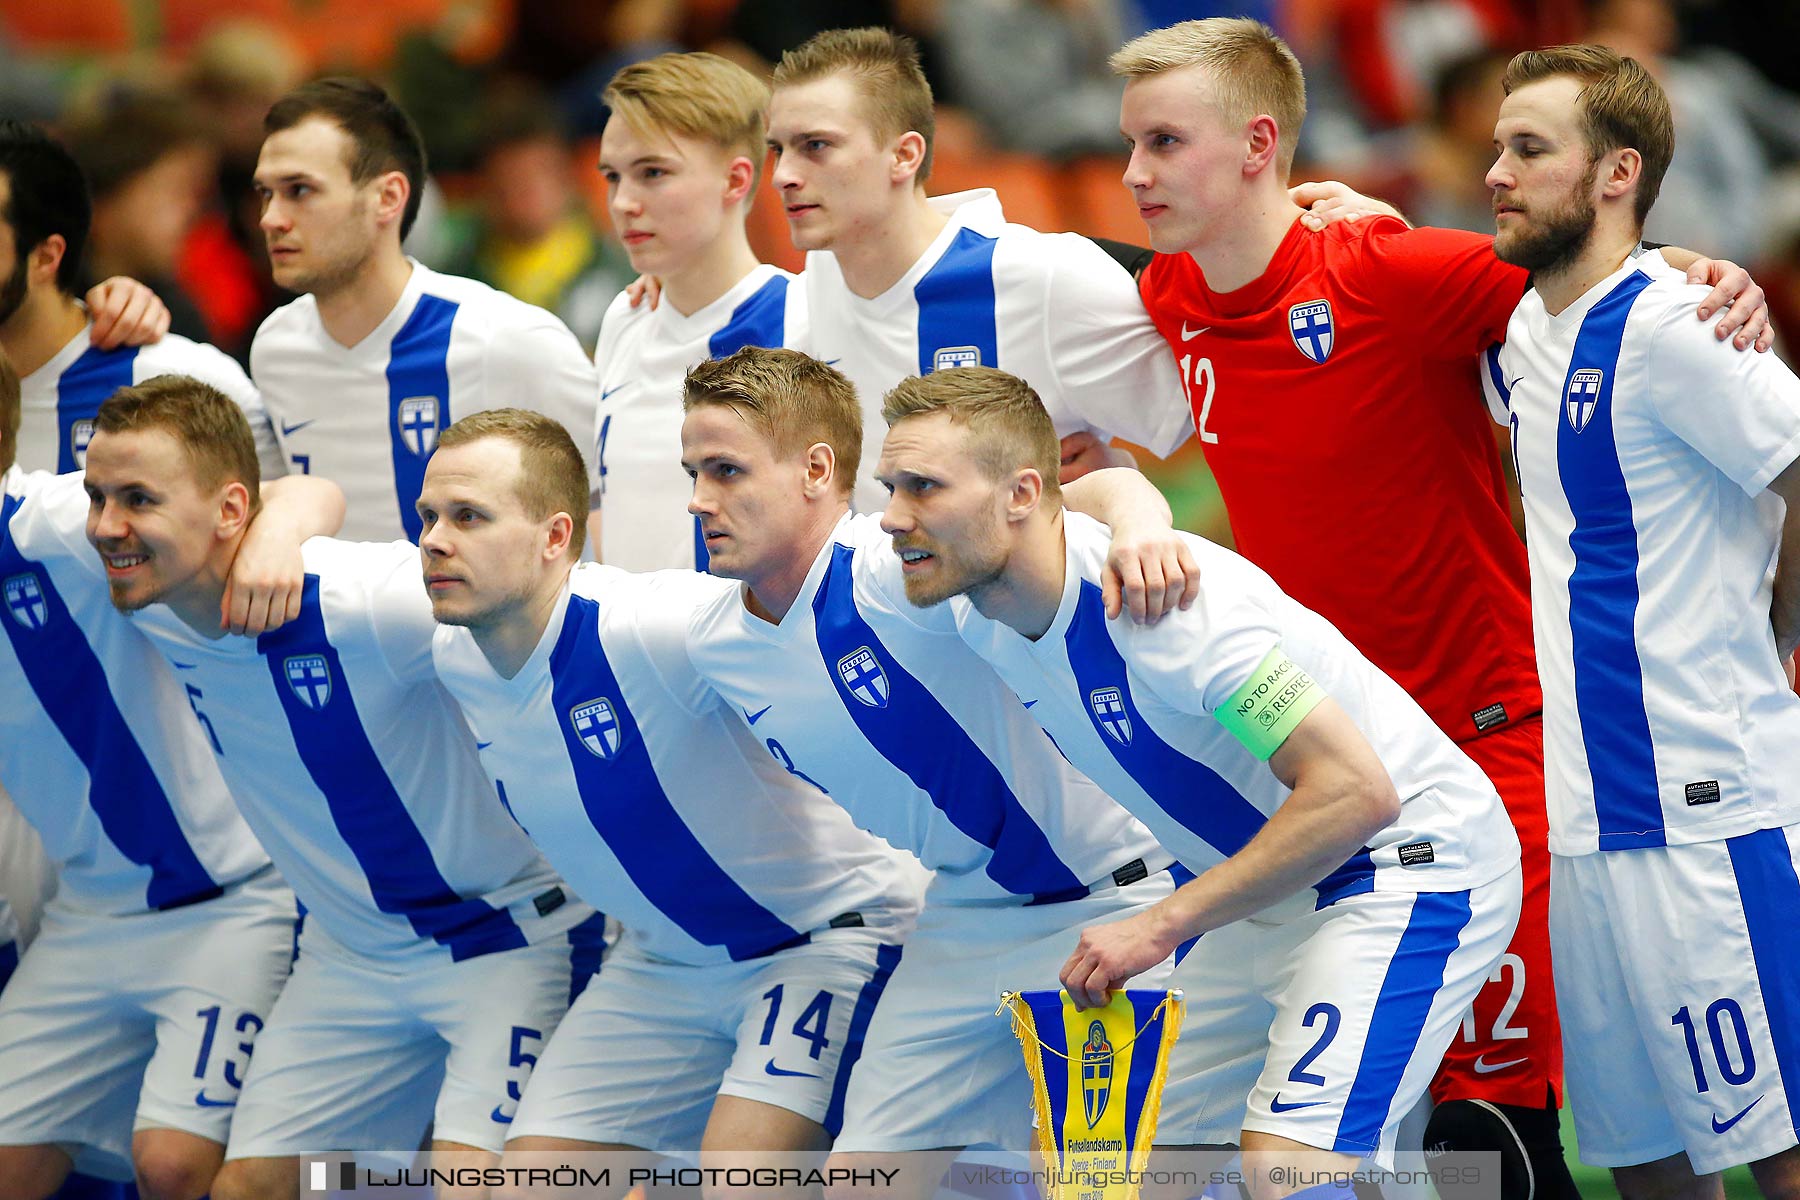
<point>418,421</point>
<point>863,677</point>
<point>1582,396</point>
<point>25,601</point>
<point>309,677</point>
<point>80,434</point>
<point>949,357</point>
<point>597,725</point>
<point>1108,705</point>
<point>1309,323</point>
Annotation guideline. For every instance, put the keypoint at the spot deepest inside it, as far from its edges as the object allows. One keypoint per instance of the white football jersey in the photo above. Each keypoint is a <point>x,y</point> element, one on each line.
<point>1051,308</point>
<point>99,747</point>
<point>356,771</point>
<point>883,707</point>
<point>656,804</point>
<point>1645,449</point>
<point>368,416</point>
<point>643,356</point>
<point>60,398</point>
<point>1132,706</point>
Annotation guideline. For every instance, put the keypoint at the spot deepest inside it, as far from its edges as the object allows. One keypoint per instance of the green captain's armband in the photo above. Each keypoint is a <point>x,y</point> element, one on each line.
<point>1265,710</point>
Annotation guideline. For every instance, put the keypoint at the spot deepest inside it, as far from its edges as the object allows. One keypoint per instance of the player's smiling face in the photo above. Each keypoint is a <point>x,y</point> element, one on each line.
<point>946,515</point>
<point>669,194</point>
<point>836,180</point>
<point>319,226</point>
<point>750,497</point>
<point>1187,161</point>
<point>148,516</point>
<point>1543,179</point>
<point>482,552</point>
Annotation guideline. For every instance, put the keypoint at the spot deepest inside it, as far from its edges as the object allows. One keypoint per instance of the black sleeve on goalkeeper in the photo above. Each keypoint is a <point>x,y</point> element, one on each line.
<point>1133,258</point>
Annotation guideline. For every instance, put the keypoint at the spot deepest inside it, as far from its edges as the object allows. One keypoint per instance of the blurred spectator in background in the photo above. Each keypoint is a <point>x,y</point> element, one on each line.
<point>1455,146</point>
<point>527,231</point>
<point>1034,71</point>
<point>150,169</point>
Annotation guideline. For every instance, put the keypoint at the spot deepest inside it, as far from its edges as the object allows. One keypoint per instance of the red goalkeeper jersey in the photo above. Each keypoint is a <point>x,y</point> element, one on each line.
<point>1339,407</point>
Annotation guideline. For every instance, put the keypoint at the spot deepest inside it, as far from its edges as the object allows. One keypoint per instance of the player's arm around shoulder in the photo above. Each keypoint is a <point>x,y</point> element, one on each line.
<point>268,576</point>
<point>1150,568</point>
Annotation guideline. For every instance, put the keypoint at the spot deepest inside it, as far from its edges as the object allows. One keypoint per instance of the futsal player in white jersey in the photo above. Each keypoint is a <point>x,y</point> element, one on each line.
<point>125,1032</point>
<point>681,153</point>
<point>849,689</point>
<point>1303,787</point>
<point>1654,464</point>
<point>899,284</point>
<point>49,333</point>
<point>437,941</point>
<point>760,924</point>
<point>379,353</point>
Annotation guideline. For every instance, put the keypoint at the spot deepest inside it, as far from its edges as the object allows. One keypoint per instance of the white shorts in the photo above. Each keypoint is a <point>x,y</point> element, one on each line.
<point>642,1054</point>
<point>939,1069</point>
<point>117,1023</point>
<point>1678,977</point>
<point>1328,1028</point>
<point>363,1054</point>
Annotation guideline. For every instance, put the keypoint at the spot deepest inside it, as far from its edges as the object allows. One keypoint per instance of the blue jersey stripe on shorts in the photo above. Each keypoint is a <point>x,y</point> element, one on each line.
<point>1185,788</point>
<point>886,959</point>
<point>956,305</point>
<point>367,810</point>
<point>1414,976</point>
<point>1763,863</point>
<point>70,683</point>
<point>1603,589</point>
<point>761,320</point>
<point>418,371</point>
<point>628,807</point>
<point>80,391</point>
<point>915,733</point>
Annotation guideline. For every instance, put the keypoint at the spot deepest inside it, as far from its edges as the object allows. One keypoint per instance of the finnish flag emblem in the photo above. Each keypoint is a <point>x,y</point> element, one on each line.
<point>418,419</point>
<point>956,356</point>
<point>863,676</point>
<point>25,601</point>
<point>81,432</point>
<point>1108,705</point>
<point>1310,326</point>
<point>597,725</point>
<point>309,678</point>
<point>1583,396</point>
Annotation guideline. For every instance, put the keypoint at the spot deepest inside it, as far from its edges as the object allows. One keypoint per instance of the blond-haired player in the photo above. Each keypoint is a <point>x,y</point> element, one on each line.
<point>681,153</point>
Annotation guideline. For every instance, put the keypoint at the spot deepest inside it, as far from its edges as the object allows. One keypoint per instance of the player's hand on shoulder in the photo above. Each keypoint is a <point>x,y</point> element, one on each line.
<point>1083,452</point>
<point>645,289</point>
<point>1328,202</point>
<point>1108,955</point>
<point>125,312</point>
<point>1746,309</point>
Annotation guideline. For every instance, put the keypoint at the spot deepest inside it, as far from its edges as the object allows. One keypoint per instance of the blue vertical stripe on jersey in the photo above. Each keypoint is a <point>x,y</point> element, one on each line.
<point>920,737</point>
<point>418,368</point>
<point>1195,795</point>
<point>1603,592</point>
<point>627,806</point>
<point>1354,877</point>
<point>702,558</point>
<point>62,670</point>
<point>761,320</point>
<point>956,303</point>
<point>1491,359</point>
<point>366,808</point>
<point>587,946</point>
<point>9,962</point>
<point>82,389</point>
<point>886,959</point>
<point>1414,977</point>
<point>1769,890</point>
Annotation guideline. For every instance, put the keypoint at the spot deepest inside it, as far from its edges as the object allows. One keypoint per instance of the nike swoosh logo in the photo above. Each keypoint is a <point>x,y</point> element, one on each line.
<point>1721,1126</point>
<point>181,666</point>
<point>1188,336</point>
<point>1029,703</point>
<point>500,1118</point>
<point>203,1102</point>
<point>609,391</point>
<point>832,362</point>
<point>772,1069</point>
<point>288,430</point>
<point>482,745</point>
<point>758,715</point>
<point>1510,384</point>
<point>1276,1105</point>
<point>1483,1067</point>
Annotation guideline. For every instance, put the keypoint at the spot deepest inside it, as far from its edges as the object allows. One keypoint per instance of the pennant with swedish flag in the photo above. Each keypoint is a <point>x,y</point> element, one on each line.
<point>1096,1081</point>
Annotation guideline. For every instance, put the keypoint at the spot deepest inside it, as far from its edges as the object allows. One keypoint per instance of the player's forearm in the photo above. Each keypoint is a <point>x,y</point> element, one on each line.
<point>303,505</point>
<point>1118,496</point>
